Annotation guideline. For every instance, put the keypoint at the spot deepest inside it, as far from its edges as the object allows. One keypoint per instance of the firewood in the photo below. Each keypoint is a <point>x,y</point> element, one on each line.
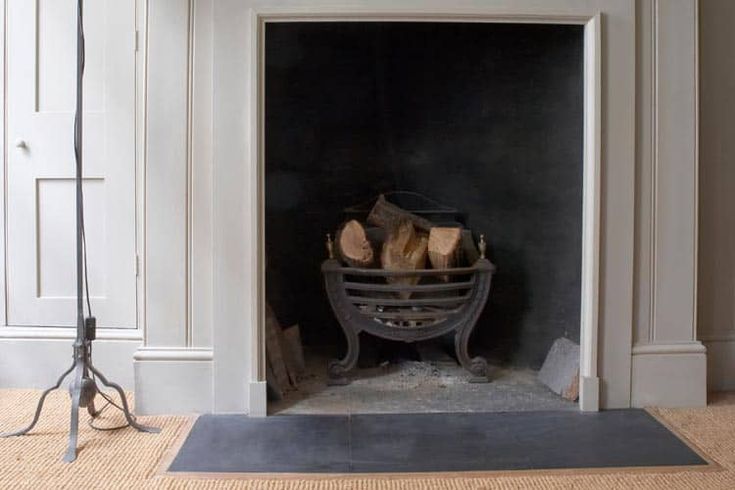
<point>274,390</point>
<point>443,248</point>
<point>353,246</point>
<point>293,353</point>
<point>274,353</point>
<point>387,215</point>
<point>469,251</point>
<point>404,249</point>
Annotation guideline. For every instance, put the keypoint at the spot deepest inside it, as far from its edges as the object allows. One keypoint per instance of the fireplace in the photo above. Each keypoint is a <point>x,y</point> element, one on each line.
<point>486,118</point>
<point>203,198</point>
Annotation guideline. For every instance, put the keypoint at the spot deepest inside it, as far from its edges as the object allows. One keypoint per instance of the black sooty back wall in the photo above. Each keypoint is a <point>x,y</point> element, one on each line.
<point>486,118</point>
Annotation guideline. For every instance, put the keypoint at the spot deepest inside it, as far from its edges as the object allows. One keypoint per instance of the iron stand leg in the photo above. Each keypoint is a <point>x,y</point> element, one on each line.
<point>39,406</point>
<point>76,395</point>
<point>126,411</point>
<point>83,388</point>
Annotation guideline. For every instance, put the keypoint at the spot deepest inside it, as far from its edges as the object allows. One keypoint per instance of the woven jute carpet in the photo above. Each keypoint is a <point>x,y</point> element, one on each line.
<point>131,460</point>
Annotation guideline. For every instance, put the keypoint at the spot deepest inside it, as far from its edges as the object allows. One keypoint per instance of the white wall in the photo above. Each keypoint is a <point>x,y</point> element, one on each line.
<point>716,299</point>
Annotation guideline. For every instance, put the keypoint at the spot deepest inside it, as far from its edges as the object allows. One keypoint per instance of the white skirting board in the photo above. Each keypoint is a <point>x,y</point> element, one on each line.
<point>173,381</point>
<point>36,357</point>
<point>669,375</point>
<point>258,401</point>
<point>589,394</point>
<point>720,364</point>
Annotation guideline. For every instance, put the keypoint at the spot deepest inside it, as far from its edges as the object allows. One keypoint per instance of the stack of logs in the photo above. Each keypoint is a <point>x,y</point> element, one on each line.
<point>409,241</point>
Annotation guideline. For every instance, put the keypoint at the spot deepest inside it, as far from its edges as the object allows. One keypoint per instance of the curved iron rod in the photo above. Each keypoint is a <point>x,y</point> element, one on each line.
<point>39,406</point>
<point>126,410</point>
<point>76,395</point>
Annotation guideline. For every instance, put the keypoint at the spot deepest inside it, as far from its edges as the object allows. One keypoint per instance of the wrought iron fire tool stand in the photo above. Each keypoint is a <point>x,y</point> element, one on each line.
<point>83,387</point>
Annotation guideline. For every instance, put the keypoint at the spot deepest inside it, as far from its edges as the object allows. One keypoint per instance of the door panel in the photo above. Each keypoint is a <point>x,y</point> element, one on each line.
<point>41,253</point>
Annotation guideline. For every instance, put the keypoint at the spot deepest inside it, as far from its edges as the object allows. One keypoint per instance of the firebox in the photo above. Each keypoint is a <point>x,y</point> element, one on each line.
<point>483,118</point>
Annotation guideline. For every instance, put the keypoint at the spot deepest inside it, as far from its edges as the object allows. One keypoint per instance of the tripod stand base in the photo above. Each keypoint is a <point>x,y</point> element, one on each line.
<point>83,391</point>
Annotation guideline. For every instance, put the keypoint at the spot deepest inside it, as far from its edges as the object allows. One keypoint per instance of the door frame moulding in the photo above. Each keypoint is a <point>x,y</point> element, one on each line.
<point>47,335</point>
<point>592,129</point>
<point>3,159</point>
<point>141,123</point>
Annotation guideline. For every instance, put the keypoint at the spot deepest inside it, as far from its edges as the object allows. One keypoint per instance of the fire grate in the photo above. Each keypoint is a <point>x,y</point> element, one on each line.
<point>436,303</point>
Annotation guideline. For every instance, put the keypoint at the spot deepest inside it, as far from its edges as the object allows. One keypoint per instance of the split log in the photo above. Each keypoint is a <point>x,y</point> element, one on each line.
<point>469,253</point>
<point>404,249</point>
<point>274,390</point>
<point>280,382</point>
<point>387,215</point>
<point>353,246</point>
<point>293,352</point>
<point>444,248</point>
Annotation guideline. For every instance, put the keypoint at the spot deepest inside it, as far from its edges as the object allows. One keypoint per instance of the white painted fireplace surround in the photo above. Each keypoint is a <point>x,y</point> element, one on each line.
<point>198,346</point>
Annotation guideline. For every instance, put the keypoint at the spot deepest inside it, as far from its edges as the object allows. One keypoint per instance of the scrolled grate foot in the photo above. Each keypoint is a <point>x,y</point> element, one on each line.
<point>479,370</point>
<point>337,374</point>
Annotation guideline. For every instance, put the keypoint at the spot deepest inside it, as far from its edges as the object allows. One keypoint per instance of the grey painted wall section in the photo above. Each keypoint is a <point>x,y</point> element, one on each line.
<point>668,363</point>
<point>165,250</point>
<point>716,298</point>
<point>174,367</point>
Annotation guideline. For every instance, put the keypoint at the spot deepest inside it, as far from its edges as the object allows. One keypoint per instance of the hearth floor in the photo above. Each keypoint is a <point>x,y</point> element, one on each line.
<point>431,442</point>
<point>417,386</point>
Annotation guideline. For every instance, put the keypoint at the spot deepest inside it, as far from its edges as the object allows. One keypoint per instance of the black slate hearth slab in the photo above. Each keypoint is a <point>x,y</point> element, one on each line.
<point>292,444</point>
<point>508,441</point>
<point>399,443</point>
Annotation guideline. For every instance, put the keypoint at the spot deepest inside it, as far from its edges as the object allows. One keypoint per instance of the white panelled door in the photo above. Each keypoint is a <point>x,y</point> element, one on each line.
<point>41,62</point>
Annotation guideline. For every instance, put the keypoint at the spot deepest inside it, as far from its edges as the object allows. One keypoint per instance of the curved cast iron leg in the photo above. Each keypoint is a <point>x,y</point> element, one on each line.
<point>338,369</point>
<point>126,411</point>
<point>39,407</point>
<point>475,365</point>
<point>76,395</point>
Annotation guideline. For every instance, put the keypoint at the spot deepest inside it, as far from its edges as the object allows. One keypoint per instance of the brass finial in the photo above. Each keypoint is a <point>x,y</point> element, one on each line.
<point>482,245</point>
<point>330,246</point>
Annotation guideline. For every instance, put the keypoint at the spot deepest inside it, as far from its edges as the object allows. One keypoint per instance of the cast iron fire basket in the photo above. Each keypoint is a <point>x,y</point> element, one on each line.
<point>444,301</point>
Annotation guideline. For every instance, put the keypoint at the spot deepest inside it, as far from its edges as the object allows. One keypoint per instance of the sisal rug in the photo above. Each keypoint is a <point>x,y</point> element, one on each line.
<point>128,459</point>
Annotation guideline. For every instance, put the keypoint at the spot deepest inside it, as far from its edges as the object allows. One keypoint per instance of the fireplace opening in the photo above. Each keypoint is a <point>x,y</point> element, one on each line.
<point>480,122</point>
